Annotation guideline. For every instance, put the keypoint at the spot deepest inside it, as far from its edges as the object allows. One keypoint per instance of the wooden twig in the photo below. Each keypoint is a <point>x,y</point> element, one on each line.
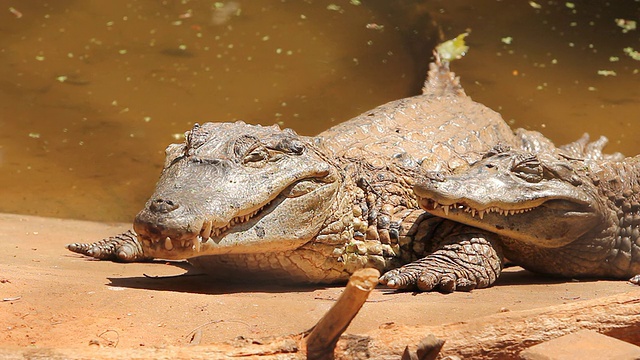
<point>324,336</point>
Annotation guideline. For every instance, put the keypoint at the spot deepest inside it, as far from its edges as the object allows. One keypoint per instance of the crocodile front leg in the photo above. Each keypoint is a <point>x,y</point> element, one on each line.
<point>464,261</point>
<point>124,247</point>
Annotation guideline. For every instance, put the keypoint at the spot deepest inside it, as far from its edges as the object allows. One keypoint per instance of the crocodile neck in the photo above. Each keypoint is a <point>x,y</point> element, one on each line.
<point>612,247</point>
<point>375,218</point>
<point>618,186</point>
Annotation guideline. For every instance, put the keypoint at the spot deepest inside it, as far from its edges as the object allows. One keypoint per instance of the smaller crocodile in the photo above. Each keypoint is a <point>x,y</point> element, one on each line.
<point>572,212</point>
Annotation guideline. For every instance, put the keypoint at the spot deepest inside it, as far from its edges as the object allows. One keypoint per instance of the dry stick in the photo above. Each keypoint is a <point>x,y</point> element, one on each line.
<point>324,336</point>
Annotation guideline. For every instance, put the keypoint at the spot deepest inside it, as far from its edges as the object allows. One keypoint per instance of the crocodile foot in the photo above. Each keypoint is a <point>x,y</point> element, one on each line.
<point>124,247</point>
<point>464,263</point>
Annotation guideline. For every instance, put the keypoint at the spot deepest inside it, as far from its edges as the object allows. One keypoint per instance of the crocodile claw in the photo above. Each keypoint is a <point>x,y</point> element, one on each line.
<point>463,263</point>
<point>124,247</point>
<point>420,277</point>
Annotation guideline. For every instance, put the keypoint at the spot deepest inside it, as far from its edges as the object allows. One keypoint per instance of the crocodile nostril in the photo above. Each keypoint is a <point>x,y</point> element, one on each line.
<point>162,206</point>
<point>435,176</point>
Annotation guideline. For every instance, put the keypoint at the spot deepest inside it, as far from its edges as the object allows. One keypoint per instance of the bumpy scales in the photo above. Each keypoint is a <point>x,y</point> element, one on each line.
<point>572,212</point>
<point>255,202</point>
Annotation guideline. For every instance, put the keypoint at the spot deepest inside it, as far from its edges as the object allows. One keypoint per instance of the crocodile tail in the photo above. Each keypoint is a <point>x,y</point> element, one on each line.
<point>441,81</point>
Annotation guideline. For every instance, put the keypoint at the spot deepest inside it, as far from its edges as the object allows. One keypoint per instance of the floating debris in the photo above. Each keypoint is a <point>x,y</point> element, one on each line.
<point>535,5</point>
<point>607,73</point>
<point>222,12</point>
<point>453,49</point>
<point>635,55</point>
<point>626,25</point>
<point>374,26</point>
<point>507,40</point>
<point>15,12</point>
<point>186,15</point>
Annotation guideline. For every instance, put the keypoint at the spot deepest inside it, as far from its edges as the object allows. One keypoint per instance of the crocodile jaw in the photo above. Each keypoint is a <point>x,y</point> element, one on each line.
<point>549,213</point>
<point>268,229</point>
<point>550,224</point>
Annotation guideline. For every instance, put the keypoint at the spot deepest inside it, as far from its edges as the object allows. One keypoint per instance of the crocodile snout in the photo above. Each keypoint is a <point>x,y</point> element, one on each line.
<point>163,206</point>
<point>163,218</point>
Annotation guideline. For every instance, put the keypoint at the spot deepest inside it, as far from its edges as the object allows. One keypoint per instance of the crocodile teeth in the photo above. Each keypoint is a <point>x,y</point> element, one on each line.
<point>168,244</point>
<point>206,229</point>
<point>433,205</point>
<point>209,231</point>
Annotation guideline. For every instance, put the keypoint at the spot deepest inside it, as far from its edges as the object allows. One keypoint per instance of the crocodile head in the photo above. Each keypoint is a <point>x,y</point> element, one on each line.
<point>237,188</point>
<point>537,199</point>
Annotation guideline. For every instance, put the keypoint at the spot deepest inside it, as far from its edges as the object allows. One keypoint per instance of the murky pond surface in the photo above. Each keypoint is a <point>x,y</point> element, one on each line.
<point>91,92</point>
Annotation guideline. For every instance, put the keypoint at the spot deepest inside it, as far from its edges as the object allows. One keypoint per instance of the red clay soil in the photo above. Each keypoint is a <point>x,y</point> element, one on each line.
<point>52,298</point>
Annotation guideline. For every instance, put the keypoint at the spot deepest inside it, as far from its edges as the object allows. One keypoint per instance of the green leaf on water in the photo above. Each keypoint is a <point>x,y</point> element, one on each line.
<point>453,49</point>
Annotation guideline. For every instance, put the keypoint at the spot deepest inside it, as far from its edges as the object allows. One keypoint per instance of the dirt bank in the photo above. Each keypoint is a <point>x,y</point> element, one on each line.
<point>53,298</point>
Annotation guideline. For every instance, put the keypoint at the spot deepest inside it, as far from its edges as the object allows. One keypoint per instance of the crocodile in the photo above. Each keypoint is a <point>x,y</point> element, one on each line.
<point>259,202</point>
<point>554,212</point>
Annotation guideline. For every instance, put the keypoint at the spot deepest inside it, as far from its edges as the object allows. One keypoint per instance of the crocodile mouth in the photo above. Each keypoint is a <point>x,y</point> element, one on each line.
<point>432,205</point>
<point>211,234</point>
<point>207,232</point>
<point>557,206</point>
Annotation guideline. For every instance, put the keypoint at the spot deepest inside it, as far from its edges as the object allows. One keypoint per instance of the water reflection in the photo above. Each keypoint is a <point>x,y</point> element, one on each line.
<point>93,91</point>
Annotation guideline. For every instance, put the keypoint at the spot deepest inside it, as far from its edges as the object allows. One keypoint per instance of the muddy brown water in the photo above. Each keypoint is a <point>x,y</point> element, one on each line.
<point>91,92</point>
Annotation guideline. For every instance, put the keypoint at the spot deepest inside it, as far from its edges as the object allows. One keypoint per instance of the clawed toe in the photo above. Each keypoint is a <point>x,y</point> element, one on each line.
<point>429,281</point>
<point>406,278</point>
<point>123,247</point>
<point>398,279</point>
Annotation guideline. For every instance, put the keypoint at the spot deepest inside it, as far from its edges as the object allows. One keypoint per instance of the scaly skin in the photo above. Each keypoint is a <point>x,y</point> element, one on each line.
<point>252,202</point>
<point>553,213</point>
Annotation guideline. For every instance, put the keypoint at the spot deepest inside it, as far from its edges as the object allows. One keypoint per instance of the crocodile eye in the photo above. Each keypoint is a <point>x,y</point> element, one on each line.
<point>528,168</point>
<point>174,152</point>
<point>255,156</point>
<point>289,145</point>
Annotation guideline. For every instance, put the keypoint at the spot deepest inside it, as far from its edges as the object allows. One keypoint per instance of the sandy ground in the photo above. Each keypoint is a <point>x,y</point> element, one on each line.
<point>53,298</point>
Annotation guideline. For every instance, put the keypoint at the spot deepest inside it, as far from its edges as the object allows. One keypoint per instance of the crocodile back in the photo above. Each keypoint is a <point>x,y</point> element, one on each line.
<point>429,132</point>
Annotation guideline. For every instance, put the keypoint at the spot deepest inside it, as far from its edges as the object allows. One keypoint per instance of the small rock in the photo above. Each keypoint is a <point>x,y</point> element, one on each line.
<point>585,344</point>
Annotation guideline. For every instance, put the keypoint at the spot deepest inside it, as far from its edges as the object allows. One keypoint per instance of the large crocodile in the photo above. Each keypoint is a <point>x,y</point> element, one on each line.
<point>553,212</point>
<point>249,201</point>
